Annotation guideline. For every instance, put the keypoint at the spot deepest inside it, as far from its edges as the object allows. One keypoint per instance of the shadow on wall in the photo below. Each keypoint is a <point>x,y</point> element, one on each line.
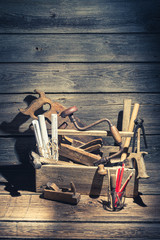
<point>20,176</point>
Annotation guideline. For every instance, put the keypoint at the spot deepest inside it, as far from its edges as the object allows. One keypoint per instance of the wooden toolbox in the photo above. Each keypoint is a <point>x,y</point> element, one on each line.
<point>86,178</point>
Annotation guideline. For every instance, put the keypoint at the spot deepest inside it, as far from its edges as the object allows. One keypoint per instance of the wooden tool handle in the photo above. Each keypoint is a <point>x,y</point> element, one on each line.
<point>116,135</point>
<point>101,170</point>
<point>69,111</point>
<point>130,129</point>
<point>131,124</point>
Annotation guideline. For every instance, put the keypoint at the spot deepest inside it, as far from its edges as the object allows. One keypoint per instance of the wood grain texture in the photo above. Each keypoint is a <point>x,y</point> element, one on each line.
<point>86,179</point>
<point>89,53</point>
<point>18,150</point>
<point>33,208</point>
<point>91,133</point>
<point>79,16</point>
<point>126,116</point>
<point>80,78</point>
<point>89,230</point>
<point>91,107</point>
<point>80,48</point>
<point>30,216</point>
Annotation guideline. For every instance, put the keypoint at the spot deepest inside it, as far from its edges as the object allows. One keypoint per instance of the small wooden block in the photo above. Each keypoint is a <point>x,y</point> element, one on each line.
<point>66,197</point>
<point>78,155</point>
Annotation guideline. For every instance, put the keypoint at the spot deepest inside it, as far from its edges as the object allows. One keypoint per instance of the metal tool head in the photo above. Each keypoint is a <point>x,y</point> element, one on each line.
<point>54,107</point>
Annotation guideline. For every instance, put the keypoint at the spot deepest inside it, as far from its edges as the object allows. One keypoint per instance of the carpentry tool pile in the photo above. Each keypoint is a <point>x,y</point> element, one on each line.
<point>60,149</point>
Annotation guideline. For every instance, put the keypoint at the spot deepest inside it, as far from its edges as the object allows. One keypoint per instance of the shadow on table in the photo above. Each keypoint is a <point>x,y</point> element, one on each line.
<point>19,175</point>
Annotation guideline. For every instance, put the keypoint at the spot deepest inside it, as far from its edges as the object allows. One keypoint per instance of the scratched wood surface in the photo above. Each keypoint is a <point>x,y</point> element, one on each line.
<point>68,78</point>
<point>105,105</point>
<point>28,205</point>
<point>36,217</point>
<point>88,53</point>
<point>84,48</point>
<point>85,16</point>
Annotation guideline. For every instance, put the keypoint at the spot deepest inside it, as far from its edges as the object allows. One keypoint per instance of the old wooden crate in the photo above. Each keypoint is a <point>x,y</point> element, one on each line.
<point>86,178</point>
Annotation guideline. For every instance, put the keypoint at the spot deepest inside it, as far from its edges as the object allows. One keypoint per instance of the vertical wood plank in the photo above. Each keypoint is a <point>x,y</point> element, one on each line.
<point>126,116</point>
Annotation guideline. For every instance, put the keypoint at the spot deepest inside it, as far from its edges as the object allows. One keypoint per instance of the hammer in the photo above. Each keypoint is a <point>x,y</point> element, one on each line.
<point>139,156</point>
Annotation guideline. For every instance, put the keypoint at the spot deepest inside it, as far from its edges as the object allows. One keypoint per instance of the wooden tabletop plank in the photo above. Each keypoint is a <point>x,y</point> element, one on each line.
<point>79,48</point>
<point>61,230</point>
<point>32,208</point>
<point>96,78</point>
<point>79,16</point>
<point>29,216</point>
<point>13,122</point>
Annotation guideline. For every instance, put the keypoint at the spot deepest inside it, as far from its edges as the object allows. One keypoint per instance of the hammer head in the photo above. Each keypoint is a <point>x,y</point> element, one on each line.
<point>136,160</point>
<point>129,163</point>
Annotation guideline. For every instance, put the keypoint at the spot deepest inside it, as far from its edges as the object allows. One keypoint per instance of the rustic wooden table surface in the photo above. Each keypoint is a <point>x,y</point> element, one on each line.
<point>29,216</point>
<point>92,54</point>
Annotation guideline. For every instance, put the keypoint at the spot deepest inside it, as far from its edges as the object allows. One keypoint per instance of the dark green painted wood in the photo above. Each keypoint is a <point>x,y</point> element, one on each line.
<point>79,16</point>
<point>80,48</point>
<point>73,78</point>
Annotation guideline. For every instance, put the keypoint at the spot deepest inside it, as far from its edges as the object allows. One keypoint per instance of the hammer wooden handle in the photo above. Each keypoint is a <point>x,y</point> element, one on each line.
<point>130,129</point>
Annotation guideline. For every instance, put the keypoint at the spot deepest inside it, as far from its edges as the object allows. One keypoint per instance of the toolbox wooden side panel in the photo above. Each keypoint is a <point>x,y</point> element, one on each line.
<point>86,179</point>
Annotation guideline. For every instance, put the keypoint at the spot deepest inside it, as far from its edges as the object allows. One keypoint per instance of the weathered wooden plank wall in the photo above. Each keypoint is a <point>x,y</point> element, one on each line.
<point>89,53</point>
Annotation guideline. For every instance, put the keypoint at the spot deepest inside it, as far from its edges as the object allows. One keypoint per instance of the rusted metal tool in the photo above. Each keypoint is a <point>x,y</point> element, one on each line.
<point>141,167</point>
<point>139,124</point>
<point>114,131</point>
<point>63,123</point>
<point>53,192</point>
<point>55,108</point>
<point>36,104</point>
<point>139,155</point>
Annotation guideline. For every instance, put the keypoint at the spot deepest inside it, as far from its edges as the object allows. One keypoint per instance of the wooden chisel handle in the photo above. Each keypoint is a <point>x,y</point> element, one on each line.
<point>130,129</point>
